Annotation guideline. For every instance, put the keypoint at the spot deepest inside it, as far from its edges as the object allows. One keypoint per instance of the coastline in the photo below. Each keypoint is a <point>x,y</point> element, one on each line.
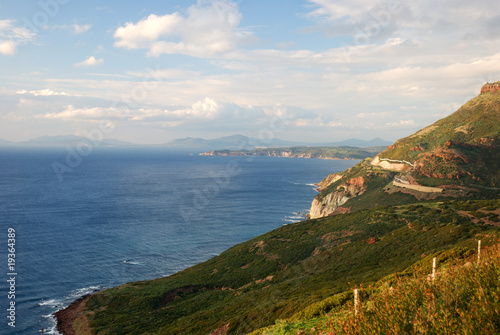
<point>67,317</point>
<point>291,156</point>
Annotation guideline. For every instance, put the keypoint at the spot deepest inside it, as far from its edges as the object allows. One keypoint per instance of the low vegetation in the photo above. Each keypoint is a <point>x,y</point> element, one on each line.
<point>464,298</point>
<point>297,270</point>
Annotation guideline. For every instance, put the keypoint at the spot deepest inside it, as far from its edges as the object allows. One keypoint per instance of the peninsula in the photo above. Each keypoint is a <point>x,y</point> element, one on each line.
<point>337,152</point>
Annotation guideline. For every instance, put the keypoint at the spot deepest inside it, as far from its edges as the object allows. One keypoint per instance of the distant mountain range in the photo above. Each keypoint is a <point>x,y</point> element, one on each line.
<point>234,142</point>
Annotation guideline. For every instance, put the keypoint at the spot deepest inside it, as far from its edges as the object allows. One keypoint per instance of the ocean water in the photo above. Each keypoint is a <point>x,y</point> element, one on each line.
<point>124,215</point>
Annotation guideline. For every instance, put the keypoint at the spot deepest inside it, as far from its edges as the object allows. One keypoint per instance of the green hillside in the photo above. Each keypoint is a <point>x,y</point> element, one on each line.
<point>460,149</point>
<point>464,298</point>
<point>282,272</point>
<point>457,157</point>
<point>389,223</point>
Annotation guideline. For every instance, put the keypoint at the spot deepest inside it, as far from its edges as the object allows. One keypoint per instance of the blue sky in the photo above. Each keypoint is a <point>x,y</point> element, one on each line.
<point>158,70</point>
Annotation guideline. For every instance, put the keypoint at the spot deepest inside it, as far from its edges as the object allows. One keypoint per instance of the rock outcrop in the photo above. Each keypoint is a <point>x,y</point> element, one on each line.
<point>391,165</point>
<point>332,178</point>
<point>495,87</point>
<point>324,206</point>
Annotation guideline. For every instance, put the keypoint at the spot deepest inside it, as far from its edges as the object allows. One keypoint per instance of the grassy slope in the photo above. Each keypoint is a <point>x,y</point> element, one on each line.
<point>308,262</point>
<point>471,158</point>
<point>463,299</point>
<point>479,117</point>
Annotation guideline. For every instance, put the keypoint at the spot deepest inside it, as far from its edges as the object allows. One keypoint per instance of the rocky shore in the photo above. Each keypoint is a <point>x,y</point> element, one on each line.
<point>73,316</point>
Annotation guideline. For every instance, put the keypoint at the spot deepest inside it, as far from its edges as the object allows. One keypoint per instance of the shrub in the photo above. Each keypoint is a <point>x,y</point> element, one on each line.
<point>462,300</point>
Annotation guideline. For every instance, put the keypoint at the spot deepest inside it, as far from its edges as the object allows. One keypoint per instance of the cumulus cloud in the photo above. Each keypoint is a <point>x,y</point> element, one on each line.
<point>208,29</point>
<point>201,111</point>
<point>203,114</point>
<point>12,36</point>
<point>91,61</point>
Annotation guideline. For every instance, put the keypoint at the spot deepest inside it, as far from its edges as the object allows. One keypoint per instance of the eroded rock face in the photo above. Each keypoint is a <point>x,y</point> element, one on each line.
<point>495,87</point>
<point>328,204</point>
<point>330,179</point>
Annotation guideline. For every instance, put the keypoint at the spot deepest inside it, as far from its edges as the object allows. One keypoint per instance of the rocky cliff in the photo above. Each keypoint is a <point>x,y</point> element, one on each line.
<point>494,87</point>
<point>330,203</point>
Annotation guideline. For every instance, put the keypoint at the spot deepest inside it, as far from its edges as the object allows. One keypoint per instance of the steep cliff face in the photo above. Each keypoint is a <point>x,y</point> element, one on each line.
<point>324,206</point>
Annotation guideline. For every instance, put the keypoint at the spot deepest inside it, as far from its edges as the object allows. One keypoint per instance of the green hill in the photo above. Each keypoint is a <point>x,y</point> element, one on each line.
<point>456,157</point>
<point>389,225</point>
<point>460,149</point>
<point>281,273</point>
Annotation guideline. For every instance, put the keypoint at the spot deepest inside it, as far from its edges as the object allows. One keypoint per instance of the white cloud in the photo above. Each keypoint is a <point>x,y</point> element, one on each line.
<point>44,93</point>
<point>340,9</point>
<point>209,28</point>
<point>204,113</point>
<point>72,113</point>
<point>75,28</point>
<point>371,115</point>
<point>91,61</point>
<point>7,47</point>
<point>374,21</point>
<point>402,124</point>
<point>12,36</point>
<point>80,29</point>
<point>170,73</point>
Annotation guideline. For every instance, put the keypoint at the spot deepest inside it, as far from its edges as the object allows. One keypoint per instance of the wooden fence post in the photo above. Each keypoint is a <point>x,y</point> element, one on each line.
<point>434,261</point>
<point>356,301</point>
<point>478,251</point>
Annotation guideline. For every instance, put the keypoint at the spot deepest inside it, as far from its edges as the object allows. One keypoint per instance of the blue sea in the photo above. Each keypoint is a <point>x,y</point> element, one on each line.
<point>123,215</point>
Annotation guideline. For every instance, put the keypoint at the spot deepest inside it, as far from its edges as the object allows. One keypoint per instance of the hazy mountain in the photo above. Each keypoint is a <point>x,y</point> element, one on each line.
<point>226,142</point>
<point>236,142</point>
